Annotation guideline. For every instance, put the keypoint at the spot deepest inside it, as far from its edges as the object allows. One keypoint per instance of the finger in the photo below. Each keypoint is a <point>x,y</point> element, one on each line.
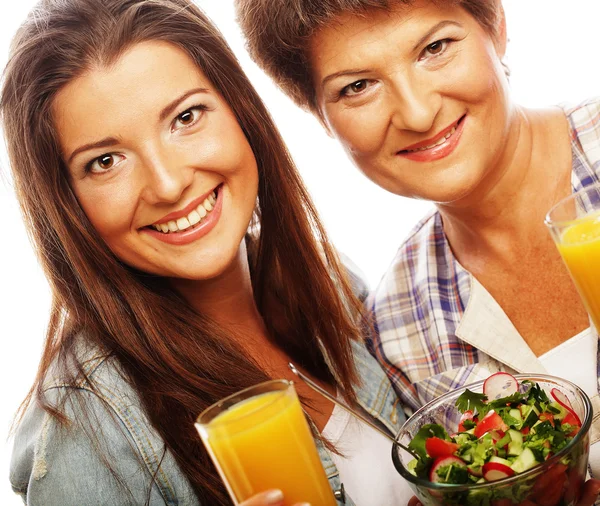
<point>589,493</point>
<point>414,501</point>
<point>268,498</point>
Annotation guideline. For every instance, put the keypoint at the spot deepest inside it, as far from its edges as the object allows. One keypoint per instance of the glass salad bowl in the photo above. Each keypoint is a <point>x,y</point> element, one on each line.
<point>557,480</point>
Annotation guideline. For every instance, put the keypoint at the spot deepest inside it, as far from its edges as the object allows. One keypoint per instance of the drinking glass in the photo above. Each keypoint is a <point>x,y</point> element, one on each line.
<point>575,226</point>
<point>259,439</point>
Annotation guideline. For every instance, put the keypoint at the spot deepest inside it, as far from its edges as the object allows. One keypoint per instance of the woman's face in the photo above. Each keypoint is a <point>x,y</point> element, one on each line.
<point>417,96</point>
<point>158,162</point>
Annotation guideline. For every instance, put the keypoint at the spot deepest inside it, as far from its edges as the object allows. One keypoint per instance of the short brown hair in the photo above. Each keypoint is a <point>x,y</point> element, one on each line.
<point>278,33</point>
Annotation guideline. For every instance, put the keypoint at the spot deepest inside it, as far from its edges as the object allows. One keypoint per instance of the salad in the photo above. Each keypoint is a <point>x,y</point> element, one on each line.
<point>508,429</point>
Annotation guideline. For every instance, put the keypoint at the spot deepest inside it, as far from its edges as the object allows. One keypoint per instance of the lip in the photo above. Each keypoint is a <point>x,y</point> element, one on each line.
<point>436,152</point>
<point>194,233</point>
<point>175,215</point>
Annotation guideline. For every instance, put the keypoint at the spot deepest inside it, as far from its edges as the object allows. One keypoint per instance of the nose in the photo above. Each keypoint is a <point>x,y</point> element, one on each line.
<point>165,177</point>
<point>415,104</point>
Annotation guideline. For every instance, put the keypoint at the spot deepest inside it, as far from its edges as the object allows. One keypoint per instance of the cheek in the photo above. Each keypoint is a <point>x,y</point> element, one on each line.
<point>110,210</point>
<point>361,130</point>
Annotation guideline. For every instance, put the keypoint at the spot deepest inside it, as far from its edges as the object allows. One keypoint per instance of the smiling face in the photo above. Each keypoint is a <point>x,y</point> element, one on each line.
<point>158,162</point>
<point>417,96</point>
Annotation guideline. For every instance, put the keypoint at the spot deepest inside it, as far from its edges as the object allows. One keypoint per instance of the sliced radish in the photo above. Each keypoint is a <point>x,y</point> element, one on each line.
<point>467,415</point>
<point>493,471</point>
<point>442,462</point>
<point>561,398</point>
<point>500,385</point>
<point>491,421</point>
<point>437,447</point>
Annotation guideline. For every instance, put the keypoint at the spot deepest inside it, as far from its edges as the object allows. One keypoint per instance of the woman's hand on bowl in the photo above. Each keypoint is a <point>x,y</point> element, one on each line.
<point>589,494</point>
<point>268,498</point>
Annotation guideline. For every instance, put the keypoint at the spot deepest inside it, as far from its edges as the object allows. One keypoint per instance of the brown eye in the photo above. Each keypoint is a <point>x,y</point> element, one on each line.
<point>436,48</point>
<point>105,162</point>
<point>186,118</point>
<point>358,86</point>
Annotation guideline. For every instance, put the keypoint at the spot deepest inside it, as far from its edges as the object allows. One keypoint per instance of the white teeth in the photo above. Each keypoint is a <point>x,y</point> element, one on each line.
<point>191,219</point>
<point>183,223</point>
<point>194,217</point>
<point>438,143</point>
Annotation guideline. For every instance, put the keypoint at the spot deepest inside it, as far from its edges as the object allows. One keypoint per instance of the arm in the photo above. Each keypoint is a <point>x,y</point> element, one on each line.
<point>93,460</point>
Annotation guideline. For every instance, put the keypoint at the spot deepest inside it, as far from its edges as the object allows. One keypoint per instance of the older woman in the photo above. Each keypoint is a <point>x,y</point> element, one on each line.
<point>417,94</point>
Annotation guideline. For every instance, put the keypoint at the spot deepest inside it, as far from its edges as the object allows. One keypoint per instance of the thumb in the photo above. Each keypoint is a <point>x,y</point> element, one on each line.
<point>589,493</point>
<point>269,498</point>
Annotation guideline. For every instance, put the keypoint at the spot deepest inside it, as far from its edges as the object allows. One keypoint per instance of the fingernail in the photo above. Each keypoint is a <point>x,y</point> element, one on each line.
<point>274,496</point>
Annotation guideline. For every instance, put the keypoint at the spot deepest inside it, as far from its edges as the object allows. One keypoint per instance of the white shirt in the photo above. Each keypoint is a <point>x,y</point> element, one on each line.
<point>576,360</point>
<point>366,468</point>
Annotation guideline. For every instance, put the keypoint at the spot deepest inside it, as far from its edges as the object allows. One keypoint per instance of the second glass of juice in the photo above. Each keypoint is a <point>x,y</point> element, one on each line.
<point>259,439</point>
<point>575,226</point>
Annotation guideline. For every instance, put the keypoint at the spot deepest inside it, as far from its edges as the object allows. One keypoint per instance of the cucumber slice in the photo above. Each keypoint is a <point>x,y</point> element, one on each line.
<point>526,460</point>
<point>499,460</point>
<point>515,447</point>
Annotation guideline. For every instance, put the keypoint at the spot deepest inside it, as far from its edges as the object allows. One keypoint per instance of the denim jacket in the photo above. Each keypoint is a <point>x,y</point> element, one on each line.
<point>57,466</point>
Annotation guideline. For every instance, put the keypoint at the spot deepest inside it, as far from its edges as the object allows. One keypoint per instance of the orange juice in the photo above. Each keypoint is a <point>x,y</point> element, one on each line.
<point>264,442</point>
<point>579,246</point>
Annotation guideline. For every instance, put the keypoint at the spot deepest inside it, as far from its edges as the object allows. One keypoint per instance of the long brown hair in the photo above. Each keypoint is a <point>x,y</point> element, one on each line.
<point>179,361</point>
<point>278,34</point>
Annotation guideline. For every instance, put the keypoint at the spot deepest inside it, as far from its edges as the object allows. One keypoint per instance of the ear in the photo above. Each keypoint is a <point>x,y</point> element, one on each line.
<point>500,37</point>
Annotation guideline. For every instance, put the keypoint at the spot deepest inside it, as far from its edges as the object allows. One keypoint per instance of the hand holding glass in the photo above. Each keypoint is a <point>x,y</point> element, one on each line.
<point>575,226</point>
<point>259,439</point>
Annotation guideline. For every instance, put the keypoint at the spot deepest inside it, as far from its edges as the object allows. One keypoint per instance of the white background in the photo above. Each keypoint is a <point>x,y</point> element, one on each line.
<point>553,55</point>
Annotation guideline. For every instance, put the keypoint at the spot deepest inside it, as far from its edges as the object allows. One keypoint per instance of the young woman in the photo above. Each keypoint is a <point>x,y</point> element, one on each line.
<point>417,93</point>
<point>185,258</point>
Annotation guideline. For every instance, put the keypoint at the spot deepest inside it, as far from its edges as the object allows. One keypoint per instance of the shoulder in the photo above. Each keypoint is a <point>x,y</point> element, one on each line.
<point>107,452</point>
<point>409,268</point>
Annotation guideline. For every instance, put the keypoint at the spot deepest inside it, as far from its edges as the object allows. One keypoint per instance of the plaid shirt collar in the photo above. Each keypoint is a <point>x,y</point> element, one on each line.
<point>484,324</point>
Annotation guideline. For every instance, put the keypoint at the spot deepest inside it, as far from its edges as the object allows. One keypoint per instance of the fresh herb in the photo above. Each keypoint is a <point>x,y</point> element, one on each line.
<point>472,401</point>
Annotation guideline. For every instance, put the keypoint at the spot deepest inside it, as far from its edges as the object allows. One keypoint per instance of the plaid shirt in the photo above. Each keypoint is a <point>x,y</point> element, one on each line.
<point>437,328</point>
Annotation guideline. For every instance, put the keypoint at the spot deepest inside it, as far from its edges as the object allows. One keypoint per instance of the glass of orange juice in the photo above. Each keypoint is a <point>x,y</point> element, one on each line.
<point>259,439</point>
<point>575,226</point>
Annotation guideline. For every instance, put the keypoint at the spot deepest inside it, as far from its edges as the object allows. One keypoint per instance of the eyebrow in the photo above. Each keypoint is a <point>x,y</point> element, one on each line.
<point>164,113</point>
<point>422,40</point>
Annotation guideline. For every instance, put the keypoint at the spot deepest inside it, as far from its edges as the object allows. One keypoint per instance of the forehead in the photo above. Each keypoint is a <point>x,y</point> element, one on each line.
<point>349,37</point>
<point>144,78</point>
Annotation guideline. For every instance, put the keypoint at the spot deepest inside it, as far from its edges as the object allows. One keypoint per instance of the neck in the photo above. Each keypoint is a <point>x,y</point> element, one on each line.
<point>227,299</point>
<point>508,208</point>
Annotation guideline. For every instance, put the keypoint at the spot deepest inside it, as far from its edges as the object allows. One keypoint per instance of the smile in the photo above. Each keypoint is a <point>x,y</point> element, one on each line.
<point>437,147</point>
<point>193,218</point>
<point>191,223</point>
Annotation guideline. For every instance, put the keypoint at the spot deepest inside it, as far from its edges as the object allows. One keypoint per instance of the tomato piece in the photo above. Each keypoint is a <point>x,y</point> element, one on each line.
<point>572,419</point>
<point>525,430</point>
<point>491,421</point>
<point>546,417</point>
<point>437,447</point>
